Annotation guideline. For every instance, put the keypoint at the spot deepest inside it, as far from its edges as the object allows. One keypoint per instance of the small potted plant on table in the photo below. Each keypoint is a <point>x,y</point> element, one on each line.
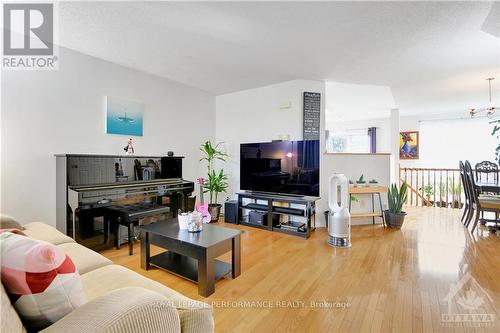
<point>395,216</point>
<point>373,182</point>
<point>216,181</point>
<point>361,181</point>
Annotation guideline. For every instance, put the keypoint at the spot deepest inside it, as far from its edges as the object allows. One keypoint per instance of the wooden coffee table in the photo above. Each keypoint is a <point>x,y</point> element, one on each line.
<point>192,255</point>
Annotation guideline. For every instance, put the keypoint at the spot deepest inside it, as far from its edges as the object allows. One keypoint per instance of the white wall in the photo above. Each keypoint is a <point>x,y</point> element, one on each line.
<point>255,116</point>
<point>447,138</point>
<point>49,112</point>
<point>346,101</point>
<point>353,166</point>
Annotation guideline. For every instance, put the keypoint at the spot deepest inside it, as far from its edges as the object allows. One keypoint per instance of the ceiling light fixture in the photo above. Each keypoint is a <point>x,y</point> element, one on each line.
<point>490,110</point>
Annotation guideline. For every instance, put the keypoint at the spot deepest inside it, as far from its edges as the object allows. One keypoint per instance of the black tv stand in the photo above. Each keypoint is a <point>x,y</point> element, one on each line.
<point>279,204</point>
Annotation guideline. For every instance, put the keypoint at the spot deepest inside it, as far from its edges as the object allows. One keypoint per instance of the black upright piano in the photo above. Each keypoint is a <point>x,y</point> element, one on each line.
<point>87,184</point>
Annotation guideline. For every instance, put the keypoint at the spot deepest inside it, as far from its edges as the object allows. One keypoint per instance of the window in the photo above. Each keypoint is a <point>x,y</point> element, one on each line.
<point>350,140</point>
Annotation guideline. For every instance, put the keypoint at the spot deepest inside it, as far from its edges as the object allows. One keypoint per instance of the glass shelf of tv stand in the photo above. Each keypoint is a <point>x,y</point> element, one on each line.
<point>278,229</point>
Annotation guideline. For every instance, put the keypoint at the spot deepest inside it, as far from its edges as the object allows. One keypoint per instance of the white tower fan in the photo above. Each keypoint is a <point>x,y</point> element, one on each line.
<point>339,219</point>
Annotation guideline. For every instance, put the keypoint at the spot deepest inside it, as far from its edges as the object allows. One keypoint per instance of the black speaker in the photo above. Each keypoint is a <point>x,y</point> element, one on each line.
<point>171,167</point>
<point>231,211</point>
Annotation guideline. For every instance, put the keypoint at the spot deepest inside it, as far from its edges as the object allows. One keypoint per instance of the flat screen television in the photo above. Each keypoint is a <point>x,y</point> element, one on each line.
<point>284,167</point>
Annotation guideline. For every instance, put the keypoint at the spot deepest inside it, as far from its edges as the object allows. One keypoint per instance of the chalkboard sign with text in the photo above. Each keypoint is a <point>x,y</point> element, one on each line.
<point>312,109</point>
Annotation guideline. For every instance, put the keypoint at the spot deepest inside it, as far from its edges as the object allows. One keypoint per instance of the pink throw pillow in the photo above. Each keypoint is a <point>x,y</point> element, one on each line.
<point>41,280</point>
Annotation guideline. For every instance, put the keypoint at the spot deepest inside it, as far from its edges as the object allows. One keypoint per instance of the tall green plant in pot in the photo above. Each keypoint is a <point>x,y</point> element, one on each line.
<point>217,180</point>
<point>395,216</point>
<point>456,193</point>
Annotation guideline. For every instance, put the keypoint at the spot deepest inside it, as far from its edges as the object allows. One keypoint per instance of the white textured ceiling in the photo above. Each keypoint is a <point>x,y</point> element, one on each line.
<point>433,55</point>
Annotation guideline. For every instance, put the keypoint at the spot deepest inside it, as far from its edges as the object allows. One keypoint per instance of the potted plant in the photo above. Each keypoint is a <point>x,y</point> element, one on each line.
<point>395,216</point>
<point>495,132</point>
<point>442,195</point>
<point>361,181</point>
<point>351,184</point>
<point>428,192</point>
<point>373,182</point>
<point>456,192</point>
<point>217,180</point>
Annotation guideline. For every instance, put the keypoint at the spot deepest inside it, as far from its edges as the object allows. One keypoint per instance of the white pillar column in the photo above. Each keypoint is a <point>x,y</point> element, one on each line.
<point>395,145</point>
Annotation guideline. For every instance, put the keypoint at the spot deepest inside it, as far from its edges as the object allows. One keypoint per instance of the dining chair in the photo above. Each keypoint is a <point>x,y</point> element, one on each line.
<point>486,172</point>
<point>467,204</point>
<point>480,203</point>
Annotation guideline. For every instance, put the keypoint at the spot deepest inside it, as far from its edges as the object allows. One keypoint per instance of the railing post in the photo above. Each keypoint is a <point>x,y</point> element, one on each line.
<point>416,188</point>
<point>428,187</point>
<point>434,187</point>
<point>447,189</point>
<point>460,193</point>
<point>422,172</point>
<point>411,185</point>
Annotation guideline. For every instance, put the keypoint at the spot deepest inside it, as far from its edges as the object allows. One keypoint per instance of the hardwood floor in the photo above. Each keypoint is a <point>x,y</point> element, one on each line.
<point>388,281</point>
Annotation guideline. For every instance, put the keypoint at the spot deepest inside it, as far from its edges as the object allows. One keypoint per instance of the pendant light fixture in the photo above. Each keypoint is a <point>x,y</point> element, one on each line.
<point>490,110</point>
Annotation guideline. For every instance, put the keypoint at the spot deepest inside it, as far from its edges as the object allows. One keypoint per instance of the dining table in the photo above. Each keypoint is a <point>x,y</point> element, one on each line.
<point>488,187</point>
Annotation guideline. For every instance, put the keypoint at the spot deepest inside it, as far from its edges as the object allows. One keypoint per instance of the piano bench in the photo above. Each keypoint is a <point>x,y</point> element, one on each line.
<point>128,216</point>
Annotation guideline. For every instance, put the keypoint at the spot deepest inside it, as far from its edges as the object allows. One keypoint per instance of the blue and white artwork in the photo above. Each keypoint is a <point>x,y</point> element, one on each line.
<point>123,116</point>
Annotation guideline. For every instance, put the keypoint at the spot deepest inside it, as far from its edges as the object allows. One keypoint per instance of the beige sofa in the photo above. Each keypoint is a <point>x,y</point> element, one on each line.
<point>118,299</point>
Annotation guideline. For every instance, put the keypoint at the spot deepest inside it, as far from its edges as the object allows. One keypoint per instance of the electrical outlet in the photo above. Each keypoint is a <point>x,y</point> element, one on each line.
<point>285,105</point>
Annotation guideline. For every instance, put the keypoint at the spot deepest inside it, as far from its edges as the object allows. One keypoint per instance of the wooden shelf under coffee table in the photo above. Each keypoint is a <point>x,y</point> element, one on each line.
<point>192,255</point>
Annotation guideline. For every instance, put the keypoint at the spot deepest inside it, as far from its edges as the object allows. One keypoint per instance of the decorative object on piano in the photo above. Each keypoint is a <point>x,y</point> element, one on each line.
<point>124,117</point>
<point>183,219</point>
<point>148,173</point>
<point>217,181</point>
<point>154,165</point>
<point>195,223</point>
<point>129,148</point>
<point>202,207</point>
<point>170,153</point>
<point>119,175</point>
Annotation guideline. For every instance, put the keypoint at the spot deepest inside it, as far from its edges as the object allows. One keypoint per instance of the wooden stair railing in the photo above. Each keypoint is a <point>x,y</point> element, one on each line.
<point>433,186</point>
<point>418,195</point>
